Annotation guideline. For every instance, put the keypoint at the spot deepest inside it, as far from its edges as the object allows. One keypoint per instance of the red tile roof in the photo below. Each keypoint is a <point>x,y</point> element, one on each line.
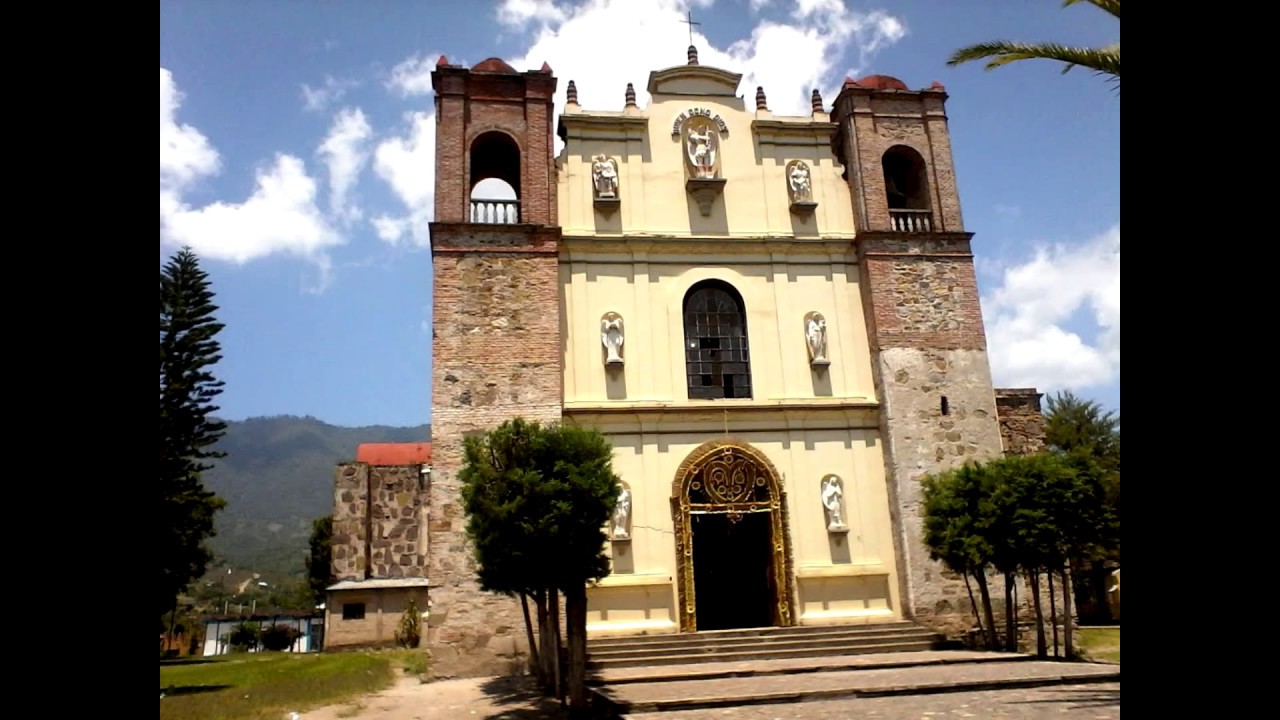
<point>394,453</point>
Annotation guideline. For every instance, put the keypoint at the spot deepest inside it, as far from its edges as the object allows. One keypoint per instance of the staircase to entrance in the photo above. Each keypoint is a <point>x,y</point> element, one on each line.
<point>649,677</point>
<point>772,643</point>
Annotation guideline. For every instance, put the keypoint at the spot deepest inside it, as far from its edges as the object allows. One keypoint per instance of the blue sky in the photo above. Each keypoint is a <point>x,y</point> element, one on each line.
<point>297,150</point>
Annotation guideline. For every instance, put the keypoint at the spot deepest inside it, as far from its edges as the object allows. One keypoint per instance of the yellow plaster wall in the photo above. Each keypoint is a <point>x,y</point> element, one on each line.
<point>651,175</point>
<point>840,577</point>
<point>650,298</point>
<point>640,259</point>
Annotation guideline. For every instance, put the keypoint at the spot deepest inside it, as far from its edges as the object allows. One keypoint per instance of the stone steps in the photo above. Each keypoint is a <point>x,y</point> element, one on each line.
<point>796,666</point>
<point>759,644</point>
<point>748,634</point>
<point>689,692</point>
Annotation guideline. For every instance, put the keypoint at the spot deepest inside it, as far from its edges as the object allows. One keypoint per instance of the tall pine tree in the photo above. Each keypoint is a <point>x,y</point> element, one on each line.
<point>188,350</point>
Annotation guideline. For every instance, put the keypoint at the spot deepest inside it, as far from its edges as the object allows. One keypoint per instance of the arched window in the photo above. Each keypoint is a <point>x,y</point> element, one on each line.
<point>495,179</point>
<point>717,361</point>
<point>906,185</point>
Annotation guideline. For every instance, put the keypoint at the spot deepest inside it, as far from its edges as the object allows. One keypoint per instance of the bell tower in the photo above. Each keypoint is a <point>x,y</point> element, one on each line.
<point>496,339</point>
<point>920,297</point>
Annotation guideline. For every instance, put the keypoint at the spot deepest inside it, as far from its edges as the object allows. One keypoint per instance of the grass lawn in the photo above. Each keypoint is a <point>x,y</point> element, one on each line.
<point>266,686</point>
<point>1101,643</point>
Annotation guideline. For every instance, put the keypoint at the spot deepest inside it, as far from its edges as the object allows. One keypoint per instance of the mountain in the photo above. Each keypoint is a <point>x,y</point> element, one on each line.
<point>276,478</point>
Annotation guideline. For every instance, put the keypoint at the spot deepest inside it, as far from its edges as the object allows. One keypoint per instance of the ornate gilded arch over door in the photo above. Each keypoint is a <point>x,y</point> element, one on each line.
<point>731,477</point>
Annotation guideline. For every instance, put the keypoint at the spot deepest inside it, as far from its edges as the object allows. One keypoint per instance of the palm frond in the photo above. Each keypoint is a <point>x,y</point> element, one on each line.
<point>1105,61</point>
<point>1110,6</point>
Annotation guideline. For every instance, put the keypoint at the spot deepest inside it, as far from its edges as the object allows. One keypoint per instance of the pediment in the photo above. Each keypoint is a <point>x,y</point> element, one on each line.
<point>694,80</point>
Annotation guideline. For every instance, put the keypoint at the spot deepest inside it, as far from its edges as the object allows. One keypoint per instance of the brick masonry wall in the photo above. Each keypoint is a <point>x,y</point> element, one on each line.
<point>470,105</point>
<point>350,521</point>
<point>497,354</point>
<point>1021,422</point>
<point>880,121</point>
<point>925,291</point>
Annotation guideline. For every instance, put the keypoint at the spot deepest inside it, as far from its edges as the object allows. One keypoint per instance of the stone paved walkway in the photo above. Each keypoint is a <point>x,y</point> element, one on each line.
<point>1100,701</point>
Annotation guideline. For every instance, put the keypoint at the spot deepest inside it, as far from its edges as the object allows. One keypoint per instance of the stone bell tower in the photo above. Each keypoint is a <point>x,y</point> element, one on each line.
<point>496,348</point>
<point>920,296</point>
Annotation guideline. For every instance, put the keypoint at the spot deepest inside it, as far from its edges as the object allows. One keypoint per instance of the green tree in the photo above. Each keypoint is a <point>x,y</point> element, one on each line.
<point>320,559</point>
<point>958,509</point>
<point>1104,61</point>
<point>537,500</point>
<point>188,350</point>
<point>1034,513</point>
<point>1079,427</point>
<point>1073,424</point>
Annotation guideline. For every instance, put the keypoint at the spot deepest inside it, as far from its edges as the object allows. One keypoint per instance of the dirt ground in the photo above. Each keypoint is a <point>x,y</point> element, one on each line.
<point>478,698</point>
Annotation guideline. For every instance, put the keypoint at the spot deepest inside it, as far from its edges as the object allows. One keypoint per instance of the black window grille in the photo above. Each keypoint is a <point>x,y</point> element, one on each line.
<point>717,361</point>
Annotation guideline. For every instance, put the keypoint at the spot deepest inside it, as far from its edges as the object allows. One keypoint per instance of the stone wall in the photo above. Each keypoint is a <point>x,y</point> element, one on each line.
<point>933,380</point>
<point>1021,422</point>
<point>497,355</point>
<point>377,522</point>
<point>396,501</point>
<point>351,522</point>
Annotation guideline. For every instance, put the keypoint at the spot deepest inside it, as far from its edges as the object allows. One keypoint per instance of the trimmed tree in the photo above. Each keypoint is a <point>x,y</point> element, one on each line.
<point>188,350</point>
<point>958,509</point>
<point>537,500</point>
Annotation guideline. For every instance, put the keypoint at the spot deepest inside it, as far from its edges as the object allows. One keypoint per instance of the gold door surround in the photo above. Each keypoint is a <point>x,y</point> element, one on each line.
<point>731,477</point>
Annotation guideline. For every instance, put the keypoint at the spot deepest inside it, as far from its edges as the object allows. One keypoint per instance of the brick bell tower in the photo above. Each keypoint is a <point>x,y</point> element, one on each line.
<point>920,296</point>
<point>496,348</point>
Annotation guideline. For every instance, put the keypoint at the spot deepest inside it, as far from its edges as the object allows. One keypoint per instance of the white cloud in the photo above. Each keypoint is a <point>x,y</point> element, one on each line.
<point>518,13</point>
<point>280,216</point>
<point>412,76</point>
<point>390,229</point>
<point>185,153</point>
<point>345,152</point>
<point>1026,317</point>
<point>820,43</point>
<point>317,99</point>
<point>407,164</point>
<point>758,5</point>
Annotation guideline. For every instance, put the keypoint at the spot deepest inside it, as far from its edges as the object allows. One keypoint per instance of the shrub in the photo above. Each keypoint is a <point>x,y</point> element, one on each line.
<point>279,637</point>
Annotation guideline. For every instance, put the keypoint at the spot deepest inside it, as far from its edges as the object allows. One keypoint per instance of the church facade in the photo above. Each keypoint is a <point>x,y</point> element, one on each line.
<point>774,320</point>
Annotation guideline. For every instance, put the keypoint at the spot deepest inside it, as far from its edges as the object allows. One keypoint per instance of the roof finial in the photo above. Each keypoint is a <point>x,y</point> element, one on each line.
<point>631,95</point>
<point>760,100</point>
<point>571,94</point>
<point>817,101</point>
<point>693,55</point>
